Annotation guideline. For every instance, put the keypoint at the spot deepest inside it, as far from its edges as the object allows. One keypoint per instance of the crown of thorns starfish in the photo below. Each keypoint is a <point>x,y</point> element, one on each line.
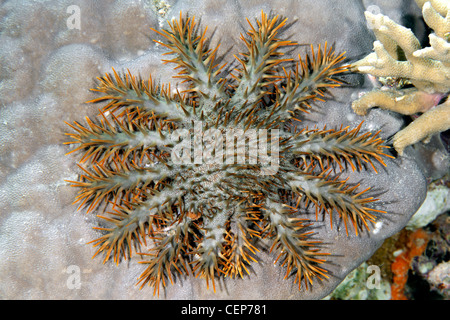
<point>208,217</point>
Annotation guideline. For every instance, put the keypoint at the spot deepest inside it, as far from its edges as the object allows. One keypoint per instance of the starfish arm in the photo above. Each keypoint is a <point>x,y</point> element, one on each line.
<point>195,60</point>
<point>259,61</point>
<point>120,182</point>
<point>102,142</point>
<point>240,251</point>
<point>128,96</point>
<point>210,256</point>
<point>298,253</point>
<point>130,220</point>
<point>314,75</point>
<point>167,258</point>
<point>332,195</point>
<point>342,147</point>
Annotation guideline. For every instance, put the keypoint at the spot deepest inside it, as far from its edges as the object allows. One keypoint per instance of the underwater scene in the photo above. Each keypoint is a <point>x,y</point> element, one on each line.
<point>224,150</point>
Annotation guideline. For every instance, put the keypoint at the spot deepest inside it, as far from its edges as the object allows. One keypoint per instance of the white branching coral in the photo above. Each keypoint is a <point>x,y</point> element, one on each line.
<point>399,57</point>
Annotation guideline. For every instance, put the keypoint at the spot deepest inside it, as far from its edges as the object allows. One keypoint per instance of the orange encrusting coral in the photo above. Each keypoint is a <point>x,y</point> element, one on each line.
<point>202,216</point>
<point>417,243</point>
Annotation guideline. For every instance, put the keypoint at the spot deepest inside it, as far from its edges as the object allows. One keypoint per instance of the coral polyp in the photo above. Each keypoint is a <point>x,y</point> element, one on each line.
<point>203,173</point>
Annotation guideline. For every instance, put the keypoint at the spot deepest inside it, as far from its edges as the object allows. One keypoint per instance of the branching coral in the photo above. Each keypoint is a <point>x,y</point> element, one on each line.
<point>417,243</point>
<point>398,55</point>
<point>155,159</point>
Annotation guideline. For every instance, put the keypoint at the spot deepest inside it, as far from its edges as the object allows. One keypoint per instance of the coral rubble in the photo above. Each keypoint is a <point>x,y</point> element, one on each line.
<point>399,60</point>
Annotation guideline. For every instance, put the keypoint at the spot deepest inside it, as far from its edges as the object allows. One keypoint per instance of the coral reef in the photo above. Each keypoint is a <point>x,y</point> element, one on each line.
<point>46,71</point>
<point>399,60</point>
<point>206,209</point>
<point>354,287</point>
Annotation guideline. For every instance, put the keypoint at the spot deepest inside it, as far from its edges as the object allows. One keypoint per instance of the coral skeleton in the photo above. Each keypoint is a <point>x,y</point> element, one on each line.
<point>399,60</point>
<point>155,170</point>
